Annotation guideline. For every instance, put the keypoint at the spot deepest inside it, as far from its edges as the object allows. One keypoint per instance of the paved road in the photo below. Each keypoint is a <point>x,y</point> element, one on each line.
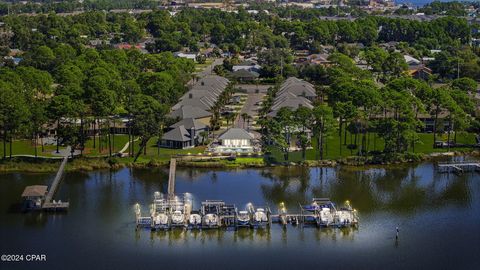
<point>208,70</point>
<point>250,108</point>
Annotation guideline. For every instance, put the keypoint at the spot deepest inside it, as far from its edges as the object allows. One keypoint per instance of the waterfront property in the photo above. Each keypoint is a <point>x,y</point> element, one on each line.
<point>234,140</point>
<point>183,134</point>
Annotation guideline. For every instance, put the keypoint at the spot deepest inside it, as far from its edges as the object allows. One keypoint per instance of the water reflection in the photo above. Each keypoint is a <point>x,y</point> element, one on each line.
<point>401,190</point>
<point>245,235</point>
<point>429,208</point>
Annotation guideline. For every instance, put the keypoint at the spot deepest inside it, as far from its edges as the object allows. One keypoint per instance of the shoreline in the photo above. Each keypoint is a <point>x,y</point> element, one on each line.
<point>32,165</point>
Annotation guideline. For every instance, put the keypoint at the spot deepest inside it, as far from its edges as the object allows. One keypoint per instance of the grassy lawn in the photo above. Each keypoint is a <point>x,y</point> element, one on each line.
<point>200,67</point>
<point>26,147</point>
<point>165,153</point>
<point>334,151</point>
<point>117,144</point>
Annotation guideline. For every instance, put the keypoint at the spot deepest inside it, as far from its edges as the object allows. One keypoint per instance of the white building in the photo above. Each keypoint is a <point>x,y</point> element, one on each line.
<point>235,140</point>
<point>191,56</point>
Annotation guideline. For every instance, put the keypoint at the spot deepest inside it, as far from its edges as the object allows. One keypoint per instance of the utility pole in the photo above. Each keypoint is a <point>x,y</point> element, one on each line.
<point>458,67</point>
<point>281,65</point>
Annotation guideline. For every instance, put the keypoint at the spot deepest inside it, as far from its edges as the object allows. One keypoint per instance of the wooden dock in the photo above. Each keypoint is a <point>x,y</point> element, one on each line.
<point>49,204</point>
<point>171,178</point>
<point>459,167</point>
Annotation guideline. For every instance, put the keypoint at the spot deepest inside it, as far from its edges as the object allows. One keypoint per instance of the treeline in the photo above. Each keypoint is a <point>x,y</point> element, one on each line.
<point>66,6</point>
<point>233,31</point>
<point>351,102</point>
<point>64,86</point>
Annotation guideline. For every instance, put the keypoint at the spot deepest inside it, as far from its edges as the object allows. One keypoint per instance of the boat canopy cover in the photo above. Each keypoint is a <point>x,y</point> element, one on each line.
<point>316,207</point>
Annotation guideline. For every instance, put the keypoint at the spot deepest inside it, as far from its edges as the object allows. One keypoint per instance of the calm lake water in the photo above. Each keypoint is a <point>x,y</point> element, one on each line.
<point>438,216</point>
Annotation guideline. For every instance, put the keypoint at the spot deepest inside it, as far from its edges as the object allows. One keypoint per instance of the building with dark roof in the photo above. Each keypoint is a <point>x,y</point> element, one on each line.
<point>178,138</point>
<point>243,75</point>
<point>183,134</point>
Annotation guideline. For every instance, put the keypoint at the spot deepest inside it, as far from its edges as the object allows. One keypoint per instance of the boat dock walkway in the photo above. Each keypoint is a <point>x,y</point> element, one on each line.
<point>171,177</point>
<point>459,167</point>
<point>49,203</point>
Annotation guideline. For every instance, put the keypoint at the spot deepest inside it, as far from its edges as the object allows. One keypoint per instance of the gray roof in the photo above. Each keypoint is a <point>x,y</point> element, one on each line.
<point>204,93</point>
<point>235,133</point>
<point>292,94</point>
<point>188,123</point>
<point>179,134</point>
<point>189,112</point>
<point>35,191</point>
<point>290,100</point>
<point>298,90</point>
<point>203,103</point>
<point>211,81</point>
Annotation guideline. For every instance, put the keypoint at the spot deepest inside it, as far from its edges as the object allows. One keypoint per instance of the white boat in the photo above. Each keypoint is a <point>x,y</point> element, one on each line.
<point>243,218</point>
<point>161,220</point>
<point>178,217</point>
<point>260,217</point>
<point>345,217</point>
<point>210,220</point>
<point>195,220</point>
<point>326,216</point>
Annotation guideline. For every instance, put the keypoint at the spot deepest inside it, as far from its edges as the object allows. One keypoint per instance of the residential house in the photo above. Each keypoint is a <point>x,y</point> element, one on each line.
<point>297,87</point>
<point>244,75</point>
<point>193,126</point>
<point>420,72</point>
<point>319,59</point>
<point>411,61</point>
<point>204,94</point>
<point>293,93</point>
<point>188,111</point>
<point>235,140</point>
<point>248,65</point>
<point>191,56</point>
<point>178,138</point>
<point>183,134</point>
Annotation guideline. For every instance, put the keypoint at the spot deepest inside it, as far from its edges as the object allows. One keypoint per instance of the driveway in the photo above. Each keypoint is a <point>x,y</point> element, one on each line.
<point>250,108</point>
<point>209,69</point>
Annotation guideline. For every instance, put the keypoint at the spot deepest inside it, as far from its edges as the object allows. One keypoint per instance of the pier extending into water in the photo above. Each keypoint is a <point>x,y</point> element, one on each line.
<point>38,198</point>
<point>459,167</point>
<point>176,211</point>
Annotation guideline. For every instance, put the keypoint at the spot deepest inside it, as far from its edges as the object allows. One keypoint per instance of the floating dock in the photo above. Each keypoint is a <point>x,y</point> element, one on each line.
<point>459,167</point>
